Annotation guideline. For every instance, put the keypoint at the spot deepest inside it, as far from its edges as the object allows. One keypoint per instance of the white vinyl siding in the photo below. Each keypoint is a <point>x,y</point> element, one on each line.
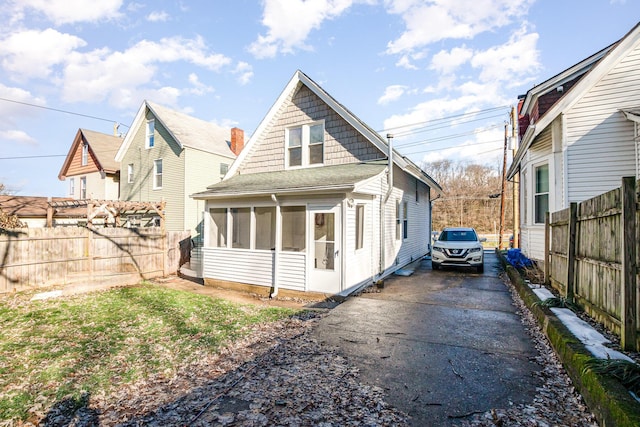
<point>599,139</point>
<point>237,265</point>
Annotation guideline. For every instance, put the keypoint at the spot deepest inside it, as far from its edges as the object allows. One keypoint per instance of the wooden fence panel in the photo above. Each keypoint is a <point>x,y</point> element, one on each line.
<point>598,261</point>
<point>38,257</point>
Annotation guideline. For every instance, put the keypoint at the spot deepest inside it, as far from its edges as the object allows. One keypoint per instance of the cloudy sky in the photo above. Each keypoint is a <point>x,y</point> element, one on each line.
<point>441,75</point>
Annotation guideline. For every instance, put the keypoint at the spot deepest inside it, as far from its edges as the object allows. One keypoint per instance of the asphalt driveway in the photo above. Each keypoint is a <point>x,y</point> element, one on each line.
<point>444,344</point>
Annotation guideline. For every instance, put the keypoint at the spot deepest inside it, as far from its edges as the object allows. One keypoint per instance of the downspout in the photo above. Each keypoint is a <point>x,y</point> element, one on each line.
<point>276,250</point>
<point>384,202</point>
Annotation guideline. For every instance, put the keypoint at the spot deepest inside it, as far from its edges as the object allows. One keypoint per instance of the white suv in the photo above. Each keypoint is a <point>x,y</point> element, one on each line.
<point>458,247</point>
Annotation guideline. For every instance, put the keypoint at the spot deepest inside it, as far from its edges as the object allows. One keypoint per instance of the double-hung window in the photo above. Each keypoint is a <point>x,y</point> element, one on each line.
<point>150,133</point>
<point>541,201</point>
<point>83,187</point>
<point>72,186</point>
<point>85,154</point>
<point>157,174</point>
<point>305,145</point>
<point>130,173</point>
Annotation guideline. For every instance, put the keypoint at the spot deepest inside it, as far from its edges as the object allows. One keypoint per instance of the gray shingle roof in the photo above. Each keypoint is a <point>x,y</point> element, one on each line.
<point>194,133</point>
<point>339,177</point>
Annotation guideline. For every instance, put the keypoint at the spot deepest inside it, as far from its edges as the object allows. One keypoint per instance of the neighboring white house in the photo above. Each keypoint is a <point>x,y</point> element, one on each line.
<point>300,209</point>
<point>578,136</point>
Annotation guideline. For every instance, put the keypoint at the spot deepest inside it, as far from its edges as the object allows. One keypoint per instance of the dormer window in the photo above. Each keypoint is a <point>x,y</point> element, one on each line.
<point>150,134</point>
<point>304,145</point>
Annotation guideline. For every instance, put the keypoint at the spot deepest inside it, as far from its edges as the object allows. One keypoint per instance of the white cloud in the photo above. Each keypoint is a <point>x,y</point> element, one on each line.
<point>447,61</point>
<point>244,71</point>
<point>19,136</point>
<point>431,21</point>
<point>199,88</point>
<point>516,62</point>
<point>289,23</point>
<point>392,93</point>
<point>116,76</point>
<point>21,97</point>
<point>32,53</point>
<point>158,16</point>
<point>71,11</point>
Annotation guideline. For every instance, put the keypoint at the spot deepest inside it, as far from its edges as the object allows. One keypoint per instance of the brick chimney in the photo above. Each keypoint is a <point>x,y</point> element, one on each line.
<point>237,140</point>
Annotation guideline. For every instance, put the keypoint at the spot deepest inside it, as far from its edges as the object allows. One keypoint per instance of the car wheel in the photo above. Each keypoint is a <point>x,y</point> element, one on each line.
<point>435,266</point>
<point>480,268</point>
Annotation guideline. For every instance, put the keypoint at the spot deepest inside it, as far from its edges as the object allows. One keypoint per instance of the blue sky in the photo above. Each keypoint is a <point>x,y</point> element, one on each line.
<point>441,75</point>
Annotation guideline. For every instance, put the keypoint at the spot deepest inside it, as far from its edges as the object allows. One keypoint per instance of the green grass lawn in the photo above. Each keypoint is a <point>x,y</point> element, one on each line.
<point>62,348</point>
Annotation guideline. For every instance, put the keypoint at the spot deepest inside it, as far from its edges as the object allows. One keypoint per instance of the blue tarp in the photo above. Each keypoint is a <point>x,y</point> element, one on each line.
<point>515,258</point>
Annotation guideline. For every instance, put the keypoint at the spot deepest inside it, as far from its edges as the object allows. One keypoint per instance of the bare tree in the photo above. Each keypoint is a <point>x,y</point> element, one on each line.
<point>471,196</point>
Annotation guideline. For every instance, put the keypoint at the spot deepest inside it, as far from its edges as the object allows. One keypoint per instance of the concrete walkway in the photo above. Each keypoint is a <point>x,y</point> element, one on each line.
<point>442,344</point>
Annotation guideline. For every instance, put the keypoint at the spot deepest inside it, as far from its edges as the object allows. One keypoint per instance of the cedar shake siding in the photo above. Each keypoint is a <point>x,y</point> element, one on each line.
<point>343,143</point>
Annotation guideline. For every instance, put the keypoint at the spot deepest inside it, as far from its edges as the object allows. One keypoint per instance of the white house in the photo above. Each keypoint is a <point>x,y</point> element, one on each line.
<point>310,204</point>
<point>578,136</point>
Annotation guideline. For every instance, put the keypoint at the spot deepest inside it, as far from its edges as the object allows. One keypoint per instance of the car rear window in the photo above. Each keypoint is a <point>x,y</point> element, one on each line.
<point>458,236</point>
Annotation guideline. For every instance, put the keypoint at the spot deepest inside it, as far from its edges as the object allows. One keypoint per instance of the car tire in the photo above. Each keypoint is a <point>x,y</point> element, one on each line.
<point>480,268</point>
<point>435,266</point>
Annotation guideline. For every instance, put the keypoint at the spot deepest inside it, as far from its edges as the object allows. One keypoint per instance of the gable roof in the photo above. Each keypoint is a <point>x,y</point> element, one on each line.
<point>186,130</point>
<point>595,67</point>
<point>322,179</point>
<point>102,146</point>
<point>372,136</point>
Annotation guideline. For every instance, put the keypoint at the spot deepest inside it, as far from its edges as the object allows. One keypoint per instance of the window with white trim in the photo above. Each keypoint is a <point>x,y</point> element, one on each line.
<point>398,221</point>
<point>218,228</point>
<point>541,197</point>
<point>241,228</point>
<point>85,154</point>
<point>72,186</point>
<point>359,226</point>
<point>265,227</point>
<point>83,187</point>
<point>405,220</point>
<point>157,174</point>
<point>224,168</point>
<point>150,133</point>
<point>304,145</point>
<point>130,173</point>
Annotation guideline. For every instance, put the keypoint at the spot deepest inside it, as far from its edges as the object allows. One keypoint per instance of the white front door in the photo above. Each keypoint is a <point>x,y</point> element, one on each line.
<point>324,249</point>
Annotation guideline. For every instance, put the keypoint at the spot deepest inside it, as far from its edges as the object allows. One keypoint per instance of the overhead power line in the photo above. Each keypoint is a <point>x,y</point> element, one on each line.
<point>62,111</point>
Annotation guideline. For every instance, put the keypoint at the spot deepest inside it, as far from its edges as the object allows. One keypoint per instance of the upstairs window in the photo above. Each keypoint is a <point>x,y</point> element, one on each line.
<point>72,186</point>
<point>224,168</point>
<point>150,133</point>
<point>130,173</point>
<point>157,174</point>
<point>305,145</point>
<point>85,154</point>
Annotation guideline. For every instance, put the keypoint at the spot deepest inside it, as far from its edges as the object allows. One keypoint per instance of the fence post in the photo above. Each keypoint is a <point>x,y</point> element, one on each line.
<point>628,309</point>
<point>571,251</point>
<point>547,248</point>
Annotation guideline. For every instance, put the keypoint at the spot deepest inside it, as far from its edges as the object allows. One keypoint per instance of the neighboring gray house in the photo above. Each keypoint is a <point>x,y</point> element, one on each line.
<point>578,136</point>
<point>167,155</point>
<point>90,167</point>
<point>310,205</point>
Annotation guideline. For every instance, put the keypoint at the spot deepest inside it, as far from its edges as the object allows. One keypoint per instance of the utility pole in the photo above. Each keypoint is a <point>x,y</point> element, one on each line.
<point>516,181</point>
<point>503,191</point>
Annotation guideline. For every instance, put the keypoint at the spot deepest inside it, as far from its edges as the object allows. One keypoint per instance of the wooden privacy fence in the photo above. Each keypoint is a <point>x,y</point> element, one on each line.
<point>33,257</point>
<point>591,257</point>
